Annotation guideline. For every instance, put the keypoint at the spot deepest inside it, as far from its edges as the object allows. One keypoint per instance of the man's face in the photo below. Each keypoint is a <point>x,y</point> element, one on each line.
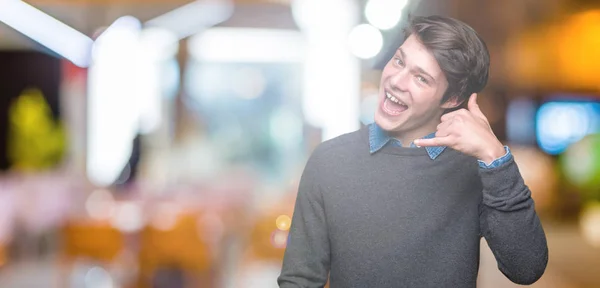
<point>410,93</point>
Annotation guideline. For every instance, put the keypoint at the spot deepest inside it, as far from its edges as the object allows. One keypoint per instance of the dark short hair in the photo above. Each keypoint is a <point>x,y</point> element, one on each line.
<point>459,51</point>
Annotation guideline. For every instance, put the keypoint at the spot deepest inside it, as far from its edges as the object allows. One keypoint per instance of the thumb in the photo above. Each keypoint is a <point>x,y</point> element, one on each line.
<point>474,107</point>
<point>473,102</point>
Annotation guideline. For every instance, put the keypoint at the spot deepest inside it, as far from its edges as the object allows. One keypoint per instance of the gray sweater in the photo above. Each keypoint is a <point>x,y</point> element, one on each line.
<point>397,218</point>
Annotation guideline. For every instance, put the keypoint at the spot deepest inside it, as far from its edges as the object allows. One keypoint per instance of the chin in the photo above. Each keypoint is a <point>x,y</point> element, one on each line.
<point>386,123</point>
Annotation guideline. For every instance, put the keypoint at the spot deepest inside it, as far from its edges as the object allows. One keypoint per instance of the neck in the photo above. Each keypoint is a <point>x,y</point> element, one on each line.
<point>407,141</point>
<point>408,137</point>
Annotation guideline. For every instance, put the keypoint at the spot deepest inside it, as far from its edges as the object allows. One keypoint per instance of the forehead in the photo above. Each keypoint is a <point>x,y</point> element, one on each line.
<point>417,55</point>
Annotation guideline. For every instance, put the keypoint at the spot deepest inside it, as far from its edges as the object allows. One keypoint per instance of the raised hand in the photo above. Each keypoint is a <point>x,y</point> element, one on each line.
<point>467,131</point>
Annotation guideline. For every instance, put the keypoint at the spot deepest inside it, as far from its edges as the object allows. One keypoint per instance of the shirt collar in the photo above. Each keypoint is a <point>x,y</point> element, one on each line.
<point>378,138</point>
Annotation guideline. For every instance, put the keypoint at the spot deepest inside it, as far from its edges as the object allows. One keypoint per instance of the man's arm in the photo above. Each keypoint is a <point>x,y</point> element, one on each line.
<point>507,216</point>
<point>306,260</point>
<point>510,224</point>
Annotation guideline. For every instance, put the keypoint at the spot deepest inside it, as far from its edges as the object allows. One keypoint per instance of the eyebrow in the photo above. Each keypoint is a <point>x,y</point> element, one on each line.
<point>416,68</point>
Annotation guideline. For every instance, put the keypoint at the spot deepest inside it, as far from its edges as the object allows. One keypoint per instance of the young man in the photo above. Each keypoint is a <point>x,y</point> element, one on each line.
<point>404,202</point>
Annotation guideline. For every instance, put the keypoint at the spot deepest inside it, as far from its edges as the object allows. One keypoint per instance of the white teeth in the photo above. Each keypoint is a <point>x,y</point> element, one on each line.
<point>394,99</point>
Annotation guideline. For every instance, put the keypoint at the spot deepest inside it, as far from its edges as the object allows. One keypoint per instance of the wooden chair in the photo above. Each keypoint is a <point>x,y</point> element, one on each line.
<point>269,235</point>
<point>95,241</point>
<point>178,248</point>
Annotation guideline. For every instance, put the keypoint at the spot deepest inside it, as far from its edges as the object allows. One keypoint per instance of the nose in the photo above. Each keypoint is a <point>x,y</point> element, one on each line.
<point>399,80</point>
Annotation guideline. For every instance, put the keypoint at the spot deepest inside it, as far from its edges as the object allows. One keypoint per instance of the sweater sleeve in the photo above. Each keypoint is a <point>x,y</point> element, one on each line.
<point>510,224</point>
<point>306,260</point>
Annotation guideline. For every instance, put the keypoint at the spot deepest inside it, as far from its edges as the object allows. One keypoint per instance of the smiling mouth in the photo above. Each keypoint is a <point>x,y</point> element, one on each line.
<point>392,105</point>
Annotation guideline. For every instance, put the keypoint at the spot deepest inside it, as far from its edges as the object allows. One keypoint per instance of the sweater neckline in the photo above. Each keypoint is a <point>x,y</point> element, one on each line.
<point>395,150</point>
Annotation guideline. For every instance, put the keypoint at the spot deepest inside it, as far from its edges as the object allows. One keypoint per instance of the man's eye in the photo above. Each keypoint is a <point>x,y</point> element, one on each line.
<point>422,79</point>
<point>399,61</point>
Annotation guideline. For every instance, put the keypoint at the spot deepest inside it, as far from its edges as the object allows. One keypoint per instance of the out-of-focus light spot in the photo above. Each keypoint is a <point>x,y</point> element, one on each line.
<point>211,227</point>
<point>192,18</point>
<point>258,274</point>
<point>249,83</point>
<point>158,43</point>
<point>559,55</point>
<point>365,41</point>
<point>384,14</point>
<point>157,46</point>
<point>46,30</point>
<point>97,277</point>
<point>581,163</point>
<point>100,205</point>
<point>310,13</point>
<point>285,128</point>
<point>128,217</point>
<point>283,222</point>
<point>326,26</point>
<point>539,173</point>
<point>590,224</point>
<point>247,45</point>
<point>520,121</point>
<point>560,124</point>
<point>171,78</point>
<point>368,107</point>
<point>165,217</point>
<point>279,238</point>
<point>125,29</point>
<point>124,267</point>
<point>576,46</point>
<point>197,74</point>
<point>125,85</point>
<point>317,16</point>
<point>113,116</point>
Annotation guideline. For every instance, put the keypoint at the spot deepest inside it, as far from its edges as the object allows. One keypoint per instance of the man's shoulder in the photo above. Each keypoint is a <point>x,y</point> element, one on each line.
<point>352,141</point>
<point>340,150</point>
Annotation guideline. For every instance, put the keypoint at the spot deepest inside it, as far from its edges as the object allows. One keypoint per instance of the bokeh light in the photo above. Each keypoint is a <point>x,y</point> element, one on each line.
<point>211,227</point>
<point>250,83</point>
<point>100,204</point>
<point>285,128</point>
<point>539,173</point>
<point>164,218</point>
<point>590,224</point>
<point>317,16</point>
<point>581,163</point>
<point>384,14</point>
<point>98,277</point>
<point>283,222</point>
<point>520,121</point>
<point>128,217</point>
<point>279,238</point>
<point>189,133</point>
<point>561,124</point>
<point>368,107</point>
<point>365,41</point>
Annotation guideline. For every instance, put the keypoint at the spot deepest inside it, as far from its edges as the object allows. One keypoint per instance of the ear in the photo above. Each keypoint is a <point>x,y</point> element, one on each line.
<point>452,103</point>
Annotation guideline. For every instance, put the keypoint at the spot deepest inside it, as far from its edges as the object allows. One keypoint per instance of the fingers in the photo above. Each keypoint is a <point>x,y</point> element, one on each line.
<point>453,114</point>
<point>437,141</point>
<point>443,129</point>
<point>473,112</point>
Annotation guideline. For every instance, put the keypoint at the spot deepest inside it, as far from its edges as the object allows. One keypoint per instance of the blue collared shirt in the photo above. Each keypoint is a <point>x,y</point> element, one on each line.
<point>378,138</point>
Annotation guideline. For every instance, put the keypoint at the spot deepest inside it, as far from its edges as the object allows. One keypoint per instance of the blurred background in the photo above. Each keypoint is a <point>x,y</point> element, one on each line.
<point>155,143</point>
